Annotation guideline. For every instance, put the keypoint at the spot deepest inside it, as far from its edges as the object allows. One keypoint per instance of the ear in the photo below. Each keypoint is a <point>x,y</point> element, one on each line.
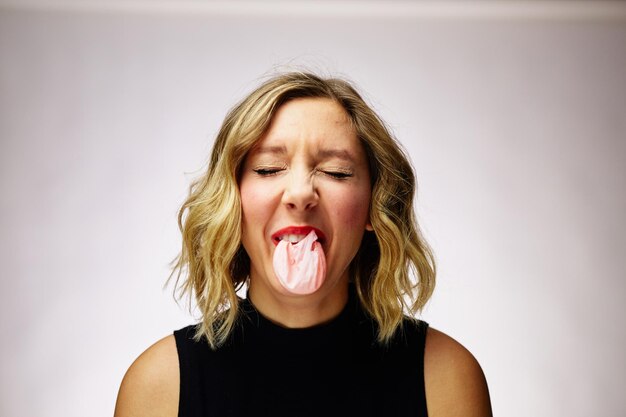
<point>369,227</point>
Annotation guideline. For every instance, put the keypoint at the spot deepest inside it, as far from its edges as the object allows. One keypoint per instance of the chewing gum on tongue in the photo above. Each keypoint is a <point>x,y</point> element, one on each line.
<point>301,267</point>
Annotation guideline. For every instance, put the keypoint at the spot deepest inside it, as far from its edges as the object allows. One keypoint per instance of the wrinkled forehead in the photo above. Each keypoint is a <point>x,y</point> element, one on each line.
<point>319,123</point>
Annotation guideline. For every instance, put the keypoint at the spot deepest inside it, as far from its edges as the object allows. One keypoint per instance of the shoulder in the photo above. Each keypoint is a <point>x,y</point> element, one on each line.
<point>454,381</point>
<point>151,384</point>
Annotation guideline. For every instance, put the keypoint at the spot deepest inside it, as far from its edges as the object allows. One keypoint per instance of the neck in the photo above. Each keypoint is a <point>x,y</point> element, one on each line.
<point>299,311</point>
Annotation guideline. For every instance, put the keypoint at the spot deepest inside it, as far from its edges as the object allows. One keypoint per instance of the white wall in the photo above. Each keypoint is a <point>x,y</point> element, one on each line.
<point>514,117</point>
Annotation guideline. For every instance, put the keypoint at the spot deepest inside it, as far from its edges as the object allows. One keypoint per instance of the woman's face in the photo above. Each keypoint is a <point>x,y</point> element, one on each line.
<point>309,170</point>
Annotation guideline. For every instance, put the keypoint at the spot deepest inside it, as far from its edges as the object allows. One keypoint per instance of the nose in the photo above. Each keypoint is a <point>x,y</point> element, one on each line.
<point>300,192</point>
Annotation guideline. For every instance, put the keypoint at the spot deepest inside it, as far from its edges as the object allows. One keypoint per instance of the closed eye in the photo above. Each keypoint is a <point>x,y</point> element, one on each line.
<point>340,175</point>
<point>266,172</point>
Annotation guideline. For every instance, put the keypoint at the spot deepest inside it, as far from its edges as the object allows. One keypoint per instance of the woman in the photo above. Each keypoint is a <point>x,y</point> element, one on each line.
<point>307,201</point>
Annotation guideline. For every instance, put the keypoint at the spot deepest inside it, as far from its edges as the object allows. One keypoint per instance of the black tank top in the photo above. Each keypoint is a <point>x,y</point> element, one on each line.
<point>334,369</point>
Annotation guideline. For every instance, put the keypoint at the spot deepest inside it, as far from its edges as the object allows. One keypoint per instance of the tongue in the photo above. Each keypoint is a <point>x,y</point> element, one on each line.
<point>300,268</point>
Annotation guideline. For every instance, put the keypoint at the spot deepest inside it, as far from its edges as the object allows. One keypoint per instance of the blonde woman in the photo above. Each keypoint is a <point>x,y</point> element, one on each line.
<point>307,202</point>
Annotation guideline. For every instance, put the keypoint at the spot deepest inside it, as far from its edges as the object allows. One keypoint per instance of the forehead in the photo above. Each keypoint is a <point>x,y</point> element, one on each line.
<point>323,110</point>
<point>310,122</point>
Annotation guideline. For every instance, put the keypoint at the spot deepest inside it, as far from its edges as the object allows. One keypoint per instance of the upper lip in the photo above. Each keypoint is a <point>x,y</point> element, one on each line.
<point>298,230</point>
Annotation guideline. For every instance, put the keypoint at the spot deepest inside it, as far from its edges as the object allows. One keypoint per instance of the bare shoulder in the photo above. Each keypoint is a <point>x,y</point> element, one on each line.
<point>150,387</point>
<point>455,383</point>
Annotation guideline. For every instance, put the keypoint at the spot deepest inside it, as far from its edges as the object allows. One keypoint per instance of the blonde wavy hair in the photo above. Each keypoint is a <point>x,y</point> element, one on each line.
<point>394,269</point>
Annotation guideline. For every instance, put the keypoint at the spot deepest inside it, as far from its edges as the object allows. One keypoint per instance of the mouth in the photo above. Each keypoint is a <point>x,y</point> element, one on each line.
<point>294,234</point>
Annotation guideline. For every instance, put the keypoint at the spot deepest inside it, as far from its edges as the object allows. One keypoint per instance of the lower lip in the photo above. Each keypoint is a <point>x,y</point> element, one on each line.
<point>298,231</point>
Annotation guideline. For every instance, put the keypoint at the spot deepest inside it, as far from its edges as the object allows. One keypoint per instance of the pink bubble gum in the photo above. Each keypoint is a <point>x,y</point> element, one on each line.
<point>301,267</point>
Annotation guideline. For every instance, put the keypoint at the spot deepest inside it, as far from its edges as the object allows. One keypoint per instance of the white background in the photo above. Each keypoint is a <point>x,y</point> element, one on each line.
<point>514,116</point>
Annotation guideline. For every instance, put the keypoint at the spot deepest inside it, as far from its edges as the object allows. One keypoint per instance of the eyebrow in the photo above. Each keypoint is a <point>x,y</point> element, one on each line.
<point>335,153</point>
<point>272,150</point>
<point>325,153</point>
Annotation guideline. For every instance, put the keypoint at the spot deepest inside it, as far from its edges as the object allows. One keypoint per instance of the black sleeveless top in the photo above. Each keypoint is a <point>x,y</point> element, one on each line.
<point>333,369</point>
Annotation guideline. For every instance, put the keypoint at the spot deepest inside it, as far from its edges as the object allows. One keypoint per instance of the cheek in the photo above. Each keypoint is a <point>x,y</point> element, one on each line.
<point>249,201</point>
<point>257,206</point>
<point>353,209</point>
